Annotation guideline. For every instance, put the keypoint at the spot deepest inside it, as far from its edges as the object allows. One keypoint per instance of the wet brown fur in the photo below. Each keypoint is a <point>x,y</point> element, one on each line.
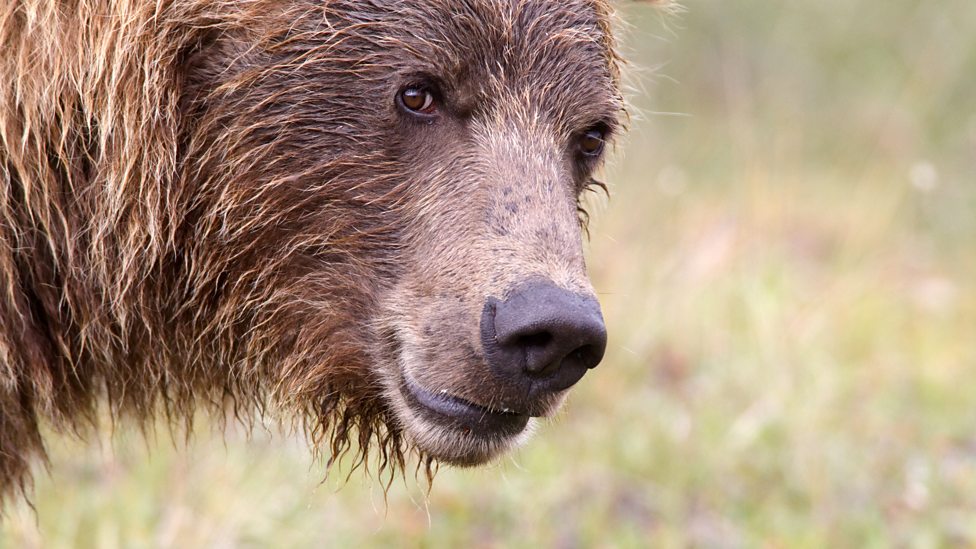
<point>215,204</point>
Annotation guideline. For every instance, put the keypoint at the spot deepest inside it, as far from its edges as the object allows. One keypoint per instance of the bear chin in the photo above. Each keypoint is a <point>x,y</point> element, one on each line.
<point>455,431</point>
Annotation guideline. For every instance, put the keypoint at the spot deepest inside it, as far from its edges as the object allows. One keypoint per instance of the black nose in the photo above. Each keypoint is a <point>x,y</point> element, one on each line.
<point>543,337</point>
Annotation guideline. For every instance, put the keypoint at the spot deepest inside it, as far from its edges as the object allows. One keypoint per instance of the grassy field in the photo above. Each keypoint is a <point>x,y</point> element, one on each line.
<point>788,270</point>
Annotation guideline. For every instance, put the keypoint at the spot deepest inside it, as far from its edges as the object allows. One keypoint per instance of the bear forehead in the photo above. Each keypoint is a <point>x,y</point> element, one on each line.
<point>510,34</point>
<point>534,48</point>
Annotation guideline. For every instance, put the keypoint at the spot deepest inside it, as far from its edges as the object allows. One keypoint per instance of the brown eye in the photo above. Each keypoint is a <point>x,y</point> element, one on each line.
<point>592,142</point>
<point>417,100</point>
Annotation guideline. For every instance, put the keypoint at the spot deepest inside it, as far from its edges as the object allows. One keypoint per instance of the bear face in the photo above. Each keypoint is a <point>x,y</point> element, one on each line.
<point>446,146</point>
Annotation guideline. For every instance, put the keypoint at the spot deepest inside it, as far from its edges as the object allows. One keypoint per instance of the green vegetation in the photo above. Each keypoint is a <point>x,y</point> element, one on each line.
<point>788,270</point>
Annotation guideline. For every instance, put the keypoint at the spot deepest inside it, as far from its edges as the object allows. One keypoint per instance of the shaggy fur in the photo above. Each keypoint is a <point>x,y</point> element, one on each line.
<point>216,203</point>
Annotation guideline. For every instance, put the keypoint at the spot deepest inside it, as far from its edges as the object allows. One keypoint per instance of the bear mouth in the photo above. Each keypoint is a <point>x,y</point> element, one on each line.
<point>452,412</point>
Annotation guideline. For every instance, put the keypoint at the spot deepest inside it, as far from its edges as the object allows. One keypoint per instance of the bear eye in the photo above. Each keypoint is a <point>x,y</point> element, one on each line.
<point>592,141</point>
<point>417,100</point>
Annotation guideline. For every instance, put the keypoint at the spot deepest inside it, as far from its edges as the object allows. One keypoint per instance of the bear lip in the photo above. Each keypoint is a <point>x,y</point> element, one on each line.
<point>454,412</point>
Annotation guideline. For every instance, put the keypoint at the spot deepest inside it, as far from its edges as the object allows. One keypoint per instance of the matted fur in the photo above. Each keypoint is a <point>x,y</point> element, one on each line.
<point>203,203</point>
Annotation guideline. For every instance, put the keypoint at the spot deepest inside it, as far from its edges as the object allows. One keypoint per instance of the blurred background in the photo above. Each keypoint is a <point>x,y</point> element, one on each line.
<point>788,269</point>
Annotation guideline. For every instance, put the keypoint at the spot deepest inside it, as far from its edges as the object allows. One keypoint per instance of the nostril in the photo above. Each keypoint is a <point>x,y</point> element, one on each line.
<point>536,349</point>
<point>540,339</point>
<point>588,355</point>
<point>545,355</point>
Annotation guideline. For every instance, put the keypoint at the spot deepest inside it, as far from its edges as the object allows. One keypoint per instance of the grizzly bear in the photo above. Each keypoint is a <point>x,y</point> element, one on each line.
<point>360,217</point>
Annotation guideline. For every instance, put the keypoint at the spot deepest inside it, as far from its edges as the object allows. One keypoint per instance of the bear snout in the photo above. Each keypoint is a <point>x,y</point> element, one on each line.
<point>543,338</point>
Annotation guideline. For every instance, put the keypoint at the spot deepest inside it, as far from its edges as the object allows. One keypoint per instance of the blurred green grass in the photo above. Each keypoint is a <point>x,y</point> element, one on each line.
<point>788,271</point>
